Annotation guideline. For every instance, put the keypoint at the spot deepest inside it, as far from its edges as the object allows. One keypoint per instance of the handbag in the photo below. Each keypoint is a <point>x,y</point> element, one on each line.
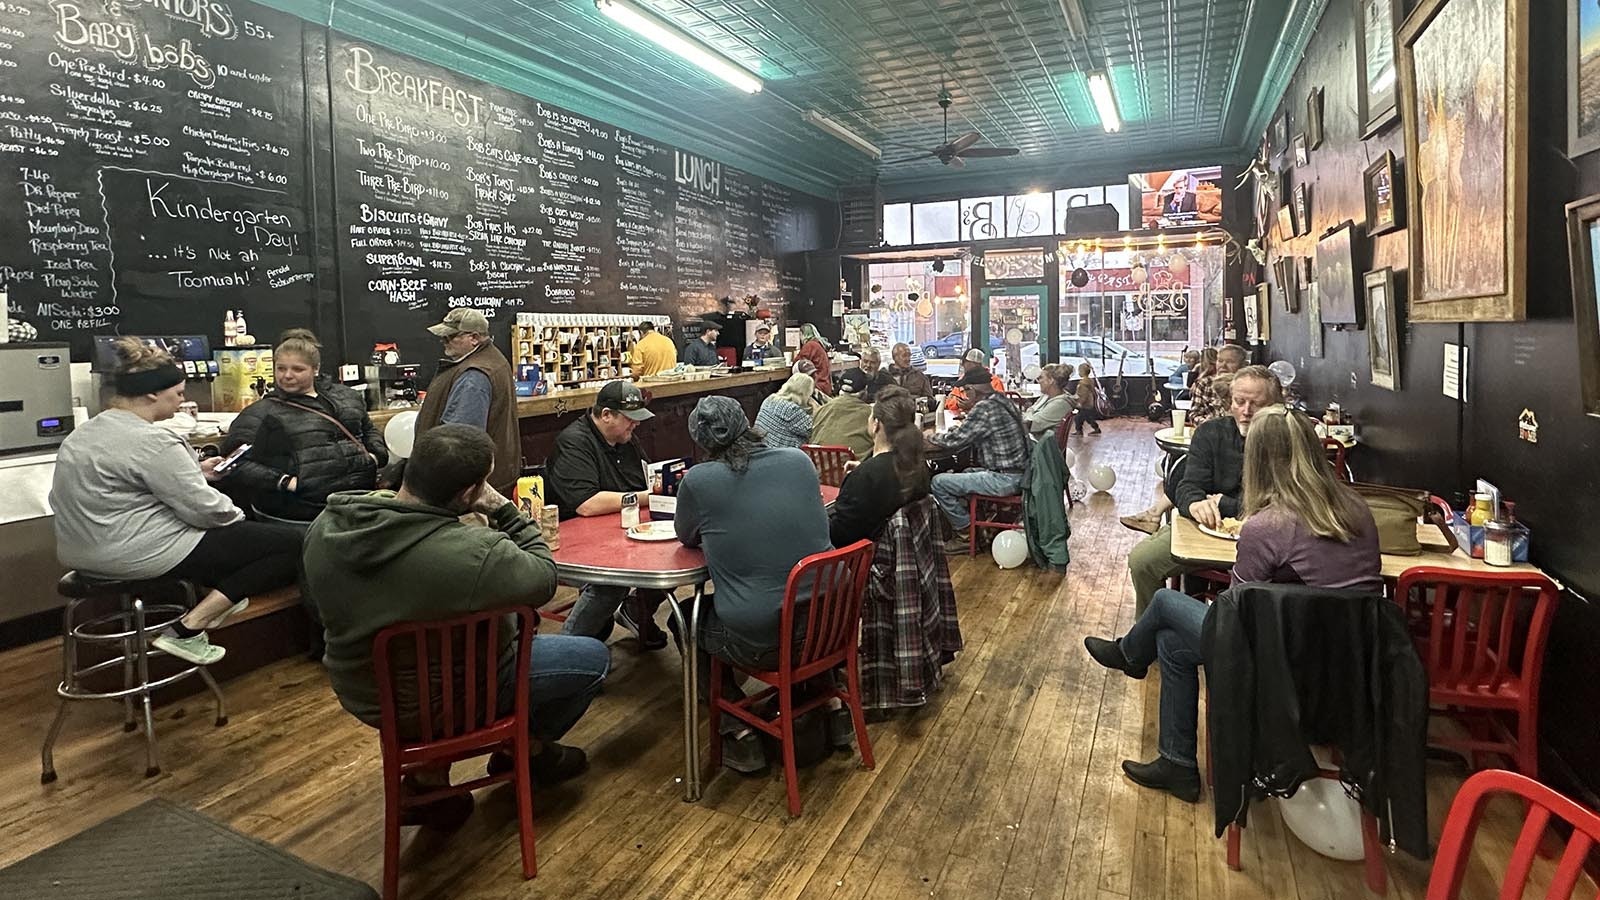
<point>1396,510</point>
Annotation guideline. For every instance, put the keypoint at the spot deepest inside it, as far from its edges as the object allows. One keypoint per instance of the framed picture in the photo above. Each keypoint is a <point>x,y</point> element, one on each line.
<point>1385,207</point>
<point>1583,77</point>
<point>1583,240</point>
<point>1382,345</point>
<point>1313,122</point>
<point>1287,228</point>
<point>1302,157</point>
<point>1306,278</point>
<point>1466,159</point>
<point>1314,320</point>
<point>1377,94</point>
<point>1278,135</point>
<point>1336,277</point>
<point>1261,329</point>
<point>1283,272</point>
<point>1302,208</point>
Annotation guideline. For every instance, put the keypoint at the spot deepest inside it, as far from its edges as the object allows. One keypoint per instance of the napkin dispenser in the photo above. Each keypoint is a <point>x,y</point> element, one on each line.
<point>664,499</point>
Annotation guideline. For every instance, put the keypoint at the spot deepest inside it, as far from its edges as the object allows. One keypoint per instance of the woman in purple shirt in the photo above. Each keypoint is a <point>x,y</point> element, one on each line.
<point>1302,526</point>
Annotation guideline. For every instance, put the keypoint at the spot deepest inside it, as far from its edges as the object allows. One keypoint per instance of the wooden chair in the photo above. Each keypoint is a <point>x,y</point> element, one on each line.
<point>830,460</point>
<point>1461,826</point>
<point>833,584</point>
<point>1481,636</point>
<point>470,724</point>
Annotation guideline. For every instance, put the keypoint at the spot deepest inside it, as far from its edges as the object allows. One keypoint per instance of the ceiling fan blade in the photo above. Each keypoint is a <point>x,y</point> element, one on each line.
<point>965,141</point>
<point>906,159</point>
<point>956,161</point>
<point>978,152</point>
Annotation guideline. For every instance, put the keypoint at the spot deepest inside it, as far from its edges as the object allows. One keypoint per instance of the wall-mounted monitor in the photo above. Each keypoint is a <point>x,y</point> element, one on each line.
<point>1177,198</point>
<point>183,348</point>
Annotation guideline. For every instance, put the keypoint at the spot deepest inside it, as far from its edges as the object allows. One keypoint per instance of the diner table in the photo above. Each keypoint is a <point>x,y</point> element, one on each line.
<point>1192,546</point>
<point>597,550</point>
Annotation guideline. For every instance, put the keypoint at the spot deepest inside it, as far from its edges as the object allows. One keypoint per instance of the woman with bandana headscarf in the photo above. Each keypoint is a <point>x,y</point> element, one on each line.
<point>756,511</point>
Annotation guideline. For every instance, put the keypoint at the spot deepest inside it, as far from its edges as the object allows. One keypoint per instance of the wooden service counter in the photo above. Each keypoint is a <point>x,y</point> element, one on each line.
<point>664,437</point>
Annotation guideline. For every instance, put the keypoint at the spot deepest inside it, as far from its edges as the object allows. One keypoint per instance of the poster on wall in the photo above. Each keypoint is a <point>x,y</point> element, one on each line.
<point>1583,77</point>
<point>1178,197</point>
<point>1466,158</point>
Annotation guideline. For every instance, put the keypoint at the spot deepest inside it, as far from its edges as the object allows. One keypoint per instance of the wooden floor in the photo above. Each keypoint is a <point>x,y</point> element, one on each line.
<point>1007,785</point>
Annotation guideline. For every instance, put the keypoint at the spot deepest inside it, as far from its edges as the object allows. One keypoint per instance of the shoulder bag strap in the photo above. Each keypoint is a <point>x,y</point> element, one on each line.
<point>317,412</point>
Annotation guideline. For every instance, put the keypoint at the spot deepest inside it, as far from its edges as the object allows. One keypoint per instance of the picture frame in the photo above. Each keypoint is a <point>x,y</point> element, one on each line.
<point>1306,278</point>
<point>1302,156</point>
<point>1467,143</point>
<point>1377,79</point>
<point>1583,78</point>
<point>1283,272</point>
<point>1383,191</point>
<point>1583,244</point>
<point>1302,208</point>
<point>1314,321</point>
<point>1263,330</point>
<point>1313,123</point>
<point>1278,135</point>
<point>1287,228</point>
<point>1383,344</point>
<point>1336,279</point>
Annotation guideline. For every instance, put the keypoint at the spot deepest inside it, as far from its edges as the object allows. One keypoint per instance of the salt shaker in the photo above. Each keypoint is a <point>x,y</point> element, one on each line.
<point>630,510</point>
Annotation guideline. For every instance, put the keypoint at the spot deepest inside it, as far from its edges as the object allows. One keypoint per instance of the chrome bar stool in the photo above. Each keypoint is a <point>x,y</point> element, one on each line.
<point>132,626</point>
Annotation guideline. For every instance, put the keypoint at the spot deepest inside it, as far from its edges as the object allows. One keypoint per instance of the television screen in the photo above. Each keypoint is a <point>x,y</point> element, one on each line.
<point>183,347</point>
<point>1178,197</point>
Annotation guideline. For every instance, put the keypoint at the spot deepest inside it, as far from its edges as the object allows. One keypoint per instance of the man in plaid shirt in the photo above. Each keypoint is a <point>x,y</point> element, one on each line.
<point>995,427</point>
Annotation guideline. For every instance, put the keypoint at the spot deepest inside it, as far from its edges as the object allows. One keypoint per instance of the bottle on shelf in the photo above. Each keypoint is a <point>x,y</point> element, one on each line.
<point>239,327</point>
<point>227,329</point>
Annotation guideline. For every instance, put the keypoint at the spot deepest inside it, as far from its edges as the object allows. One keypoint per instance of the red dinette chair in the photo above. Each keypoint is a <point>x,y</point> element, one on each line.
<point>829,460</point>
<point>834,583</point>
<point>729,356</point>
<point>1335,451</point>
<point>1461,826</point>
<point>1481,636</point>
<point>470,724</point>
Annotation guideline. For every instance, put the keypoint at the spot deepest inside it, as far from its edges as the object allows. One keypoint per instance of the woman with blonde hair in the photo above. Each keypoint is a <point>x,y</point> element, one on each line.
<point>1053,405</point>
<point>1301,526</point>
<point>131,503</point>
<point>785,417</point>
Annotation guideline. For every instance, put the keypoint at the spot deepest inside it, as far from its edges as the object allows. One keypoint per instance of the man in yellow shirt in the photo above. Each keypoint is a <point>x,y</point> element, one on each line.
<point>654,352</point>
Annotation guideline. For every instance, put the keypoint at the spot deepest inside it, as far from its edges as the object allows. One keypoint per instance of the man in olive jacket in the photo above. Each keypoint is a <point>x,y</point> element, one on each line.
<point>384,557</point>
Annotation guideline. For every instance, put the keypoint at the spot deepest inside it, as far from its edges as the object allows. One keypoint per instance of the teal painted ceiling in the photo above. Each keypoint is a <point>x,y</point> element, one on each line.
<point>1195,79</point>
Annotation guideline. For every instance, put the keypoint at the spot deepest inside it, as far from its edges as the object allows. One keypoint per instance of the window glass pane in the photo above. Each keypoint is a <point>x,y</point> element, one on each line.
<point>897,224</point>
<point>934,223</point>
<point>1117,196</point>
<point>1029,214</point>
<point>982,218</point>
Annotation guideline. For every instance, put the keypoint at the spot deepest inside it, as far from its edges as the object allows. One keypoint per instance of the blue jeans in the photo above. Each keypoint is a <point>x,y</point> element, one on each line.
<point>1169,632</point>
<point>597,604</point>
<point>951,489</point>
<point>564,676</point>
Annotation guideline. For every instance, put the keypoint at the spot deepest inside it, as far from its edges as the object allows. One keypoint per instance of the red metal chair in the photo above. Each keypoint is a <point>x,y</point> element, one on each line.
<point>1335,450</point>
<point>829,460</point>
<point>469,725</point>
<point>1481,636</point>
<point>1062,432</point>
<point>834,583</point>
<point>1461,826</point>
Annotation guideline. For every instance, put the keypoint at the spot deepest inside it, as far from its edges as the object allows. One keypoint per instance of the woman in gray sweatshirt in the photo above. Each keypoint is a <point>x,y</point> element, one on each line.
<point>131,503</point>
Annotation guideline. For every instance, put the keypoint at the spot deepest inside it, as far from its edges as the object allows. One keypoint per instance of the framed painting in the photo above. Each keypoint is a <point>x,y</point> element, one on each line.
<point>1583,241</point>
<point>1385,207</point>
<point>1466,168</point>
<point>1263,312</point>
<point>1336,278</point>
<point>1283,272</point>
<point>1287,227</point>
<point>1583,77</point>
<point>1302,208</point>
<point>1278,136</point>
<point>1382,346</point>
<point>1314,320</point>
<point>1313,122</point>
<point>1302,156</point>
<point>1377,83</point>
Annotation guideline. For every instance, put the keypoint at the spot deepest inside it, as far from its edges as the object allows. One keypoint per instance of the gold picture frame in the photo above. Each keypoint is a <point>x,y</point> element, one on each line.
<point>1383,344</point>
<point>1466,159</point>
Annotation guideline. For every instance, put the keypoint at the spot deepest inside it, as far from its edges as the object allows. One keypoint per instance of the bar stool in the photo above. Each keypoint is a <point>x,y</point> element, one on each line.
<point>132,626</point>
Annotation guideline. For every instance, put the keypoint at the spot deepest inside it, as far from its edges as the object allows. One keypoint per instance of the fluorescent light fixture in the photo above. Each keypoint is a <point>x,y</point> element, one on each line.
<point>842,133</point>
<point>670,37</point>
<point>1105,103</point>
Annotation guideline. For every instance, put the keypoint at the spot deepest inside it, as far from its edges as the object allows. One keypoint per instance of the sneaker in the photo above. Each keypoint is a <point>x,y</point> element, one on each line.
<point>1141,522</point>
<point>744,755</point>
<point>229,613</point>
<point>197,650</point>
<point>1109,654</point>
<point>958,545</point>
<point>1163,774</point>
<point>841,728</point>
<point>631,617</point>
<point>551,766</point>
<point>444,814</point>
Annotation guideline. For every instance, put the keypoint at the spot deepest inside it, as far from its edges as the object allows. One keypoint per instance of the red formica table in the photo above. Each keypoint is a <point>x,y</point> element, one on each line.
<point>596,550</point>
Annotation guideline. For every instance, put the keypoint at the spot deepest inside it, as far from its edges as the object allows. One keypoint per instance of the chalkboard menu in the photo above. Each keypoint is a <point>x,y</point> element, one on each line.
<point>153,175</point>
<point>151,160</point>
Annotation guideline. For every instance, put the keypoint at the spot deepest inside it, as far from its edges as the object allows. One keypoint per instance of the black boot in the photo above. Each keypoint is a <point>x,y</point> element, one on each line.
<point>1109,654</point>
<point>1163,774</point>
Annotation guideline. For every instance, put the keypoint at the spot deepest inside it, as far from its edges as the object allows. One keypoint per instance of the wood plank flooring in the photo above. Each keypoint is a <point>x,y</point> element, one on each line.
<point>1005,786</point>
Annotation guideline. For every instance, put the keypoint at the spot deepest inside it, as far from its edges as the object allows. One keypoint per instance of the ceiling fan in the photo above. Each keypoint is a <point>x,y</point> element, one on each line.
<point>956,152</point>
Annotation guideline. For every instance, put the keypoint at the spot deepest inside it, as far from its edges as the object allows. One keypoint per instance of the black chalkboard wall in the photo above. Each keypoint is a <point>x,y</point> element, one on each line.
<point>159,170</point>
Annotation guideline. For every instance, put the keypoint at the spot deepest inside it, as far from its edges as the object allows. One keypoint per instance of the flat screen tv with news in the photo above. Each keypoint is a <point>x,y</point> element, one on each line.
<point>1176,198</point>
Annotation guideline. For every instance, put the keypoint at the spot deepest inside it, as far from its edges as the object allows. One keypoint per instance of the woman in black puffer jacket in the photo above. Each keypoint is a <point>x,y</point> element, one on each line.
<point>311,437</point>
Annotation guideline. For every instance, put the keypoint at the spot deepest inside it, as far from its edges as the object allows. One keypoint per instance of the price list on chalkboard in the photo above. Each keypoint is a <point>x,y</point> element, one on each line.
<point>150,167</point>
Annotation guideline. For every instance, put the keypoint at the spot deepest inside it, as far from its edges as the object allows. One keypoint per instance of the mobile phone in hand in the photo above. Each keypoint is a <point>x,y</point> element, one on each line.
<point>231,458</point>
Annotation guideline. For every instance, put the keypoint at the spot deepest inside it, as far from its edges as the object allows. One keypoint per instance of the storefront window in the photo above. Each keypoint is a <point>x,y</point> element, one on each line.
<point>982,218</point>
<point>897,224</point>
<point>935,223</point>
<point>909,302</point>
<point>1028,215</point>
<point>1142,303</point>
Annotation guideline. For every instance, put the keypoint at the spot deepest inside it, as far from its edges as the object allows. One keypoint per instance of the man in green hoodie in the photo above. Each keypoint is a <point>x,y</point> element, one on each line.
<point>385,557</point>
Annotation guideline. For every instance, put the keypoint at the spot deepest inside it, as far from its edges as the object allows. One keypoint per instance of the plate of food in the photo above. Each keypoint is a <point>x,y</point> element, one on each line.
<point>653,531</point>
<point>1228,530</point>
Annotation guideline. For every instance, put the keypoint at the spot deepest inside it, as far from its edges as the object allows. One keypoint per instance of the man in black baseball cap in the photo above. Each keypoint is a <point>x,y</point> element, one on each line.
<point>995,428</point>
<point>595,462</point>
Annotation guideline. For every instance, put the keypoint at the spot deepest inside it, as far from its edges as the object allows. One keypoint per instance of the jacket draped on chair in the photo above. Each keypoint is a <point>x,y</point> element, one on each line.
<point>909,629</point>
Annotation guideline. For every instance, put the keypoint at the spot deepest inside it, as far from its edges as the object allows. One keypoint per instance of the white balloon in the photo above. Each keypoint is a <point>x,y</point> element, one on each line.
<point>1010,549</point>
<point>1324,818</point>
<point>1284,370</point>
<point>401,433</point>
<point>1103,477</point>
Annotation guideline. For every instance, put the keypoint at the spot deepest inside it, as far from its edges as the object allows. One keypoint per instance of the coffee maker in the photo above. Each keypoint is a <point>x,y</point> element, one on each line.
<point>391,386</point>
